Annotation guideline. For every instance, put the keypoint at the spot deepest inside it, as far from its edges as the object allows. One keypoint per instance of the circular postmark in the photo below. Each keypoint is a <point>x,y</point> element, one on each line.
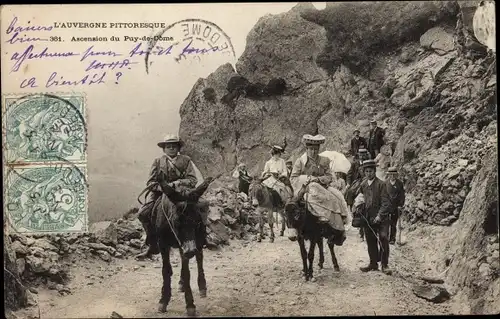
<point>193,39</point>
<point>49,198</point>
<point>44,127</point>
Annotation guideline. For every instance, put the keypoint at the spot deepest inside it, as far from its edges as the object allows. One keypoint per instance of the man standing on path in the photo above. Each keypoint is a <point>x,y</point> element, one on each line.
<point>357,142</point>
<point>376,139</point>
<point>354,177</point>
<point>396,192</point>
<point>376,227</point>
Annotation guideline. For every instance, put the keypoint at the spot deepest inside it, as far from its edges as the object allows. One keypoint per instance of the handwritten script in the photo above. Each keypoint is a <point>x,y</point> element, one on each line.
<point>99,65</point>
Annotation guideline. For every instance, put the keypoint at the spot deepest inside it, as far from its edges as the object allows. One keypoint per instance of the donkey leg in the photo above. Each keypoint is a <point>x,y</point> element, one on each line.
<point>202,283</point>
<point>283,223</point>
<point>270,220</point>
<point>166,291</point>
<point>188,294</point>
<point>321,254</point>
<point>334,258</point>
<point>181,280</point>
<point>261,227</point>
<point>310,257</point>
<point>303,254</point>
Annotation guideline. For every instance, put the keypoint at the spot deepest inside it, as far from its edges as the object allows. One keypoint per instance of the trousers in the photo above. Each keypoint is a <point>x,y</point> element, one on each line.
<point>394,216</point>
<point>378,251</point>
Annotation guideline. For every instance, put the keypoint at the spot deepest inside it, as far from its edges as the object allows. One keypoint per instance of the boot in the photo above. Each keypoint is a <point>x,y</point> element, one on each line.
<point>368,268</point>
<point>152,243</point>
<point>386,270</point>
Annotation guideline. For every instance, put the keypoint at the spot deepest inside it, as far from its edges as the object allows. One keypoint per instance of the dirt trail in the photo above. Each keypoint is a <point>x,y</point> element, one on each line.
<point>244,279</point>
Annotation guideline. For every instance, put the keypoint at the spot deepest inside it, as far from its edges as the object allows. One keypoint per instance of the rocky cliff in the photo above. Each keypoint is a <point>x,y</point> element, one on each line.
<point>415,67</point>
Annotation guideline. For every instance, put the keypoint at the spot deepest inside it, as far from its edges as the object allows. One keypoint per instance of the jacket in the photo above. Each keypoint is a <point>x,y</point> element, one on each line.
<point>377,201</point>
<point>376,138</point>
<point>320,169</point>
<point>396,194</point>
<point>179,170</point>
<point>354,173</point>
<point>356,144</point>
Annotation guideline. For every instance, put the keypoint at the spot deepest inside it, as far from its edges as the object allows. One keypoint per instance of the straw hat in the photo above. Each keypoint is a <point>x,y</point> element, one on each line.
<point>313,140</point>
<point>171,139</point>
<point>369,163</point>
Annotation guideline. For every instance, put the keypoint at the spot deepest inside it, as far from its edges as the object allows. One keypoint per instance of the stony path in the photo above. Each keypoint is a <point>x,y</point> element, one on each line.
<point>244,279</point>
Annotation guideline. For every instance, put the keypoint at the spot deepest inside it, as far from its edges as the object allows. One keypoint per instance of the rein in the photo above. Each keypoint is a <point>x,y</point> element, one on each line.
<point>170,223</point>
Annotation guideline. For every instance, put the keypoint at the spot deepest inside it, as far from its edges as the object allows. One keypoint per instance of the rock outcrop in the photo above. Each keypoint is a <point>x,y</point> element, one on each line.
<point>415,67</point>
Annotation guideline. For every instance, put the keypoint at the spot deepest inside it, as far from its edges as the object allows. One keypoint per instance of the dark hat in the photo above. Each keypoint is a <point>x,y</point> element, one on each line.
<point>356,130</point>
<point>171,139</point>
<point>277,148</point>
<point>369,163</point>
<point>392,170</point>
<point>289,161</point>
<point>373,121</point>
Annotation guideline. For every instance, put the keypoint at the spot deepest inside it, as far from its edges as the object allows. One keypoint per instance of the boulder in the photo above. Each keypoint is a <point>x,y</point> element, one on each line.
<point>19,248</point>
<point>45,244</point>
<point>437,39</point>
<point>434,294</point>
<point>219,234</point>
<point>127,231</point>
<point>105,232</point>
<point>101,247</point>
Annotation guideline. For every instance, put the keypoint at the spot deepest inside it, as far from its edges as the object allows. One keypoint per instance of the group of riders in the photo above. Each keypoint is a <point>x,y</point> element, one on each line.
<point>327,195</point>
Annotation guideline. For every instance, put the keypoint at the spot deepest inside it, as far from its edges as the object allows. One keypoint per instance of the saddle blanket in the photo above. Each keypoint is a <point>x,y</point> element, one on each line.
<point>328,204</point>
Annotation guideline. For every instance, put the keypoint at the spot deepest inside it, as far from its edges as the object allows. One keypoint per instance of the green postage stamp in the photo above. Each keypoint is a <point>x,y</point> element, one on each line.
<point>45,173</point>
<point>45,127</point>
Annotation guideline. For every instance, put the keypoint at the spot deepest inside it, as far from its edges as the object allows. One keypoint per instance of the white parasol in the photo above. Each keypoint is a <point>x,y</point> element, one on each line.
<point>339,163</point>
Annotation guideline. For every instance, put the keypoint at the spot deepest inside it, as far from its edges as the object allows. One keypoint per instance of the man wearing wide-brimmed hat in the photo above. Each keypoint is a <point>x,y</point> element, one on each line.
<point>323,201</point>
<point>179,172</point>
<point>396,192</point>
<point>376,217</point>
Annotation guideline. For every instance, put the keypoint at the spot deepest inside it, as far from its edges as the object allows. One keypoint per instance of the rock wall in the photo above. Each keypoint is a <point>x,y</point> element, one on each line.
<point>429,83</point>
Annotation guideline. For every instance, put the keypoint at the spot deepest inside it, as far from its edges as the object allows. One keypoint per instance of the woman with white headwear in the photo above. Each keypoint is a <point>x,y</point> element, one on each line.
<point>275,169</point>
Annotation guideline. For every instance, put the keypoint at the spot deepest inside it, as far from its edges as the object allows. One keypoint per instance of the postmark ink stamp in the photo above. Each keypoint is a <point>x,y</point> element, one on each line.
<point>45,127</point>
<point>47,198</point>
<point>195,38</point>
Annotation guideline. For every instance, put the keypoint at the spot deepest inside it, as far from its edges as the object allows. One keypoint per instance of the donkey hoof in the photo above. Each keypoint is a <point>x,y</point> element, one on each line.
<point>282,233</point>
<point>162,307</point>
<point>191,312</point>
<point>203,293</point>
<point>271,240</point>
<point>320,266</point>
<point>336,268</point>
<point>259,240</point>
<point>181,288</point>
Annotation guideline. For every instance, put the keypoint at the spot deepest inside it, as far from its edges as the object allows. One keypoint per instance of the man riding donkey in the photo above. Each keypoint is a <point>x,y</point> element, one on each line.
<point>354,177</point>
<point>180,175</point>
<point>322,200</point>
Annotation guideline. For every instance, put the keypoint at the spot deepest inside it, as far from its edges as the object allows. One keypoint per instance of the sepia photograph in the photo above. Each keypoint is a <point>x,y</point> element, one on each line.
<point>278,159</point>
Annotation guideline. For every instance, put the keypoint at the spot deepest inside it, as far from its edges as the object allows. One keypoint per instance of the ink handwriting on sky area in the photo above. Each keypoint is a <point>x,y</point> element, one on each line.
<point>14,32</point>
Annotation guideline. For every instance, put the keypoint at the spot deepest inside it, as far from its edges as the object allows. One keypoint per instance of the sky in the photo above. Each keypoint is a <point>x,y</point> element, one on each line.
<point>128,114</point>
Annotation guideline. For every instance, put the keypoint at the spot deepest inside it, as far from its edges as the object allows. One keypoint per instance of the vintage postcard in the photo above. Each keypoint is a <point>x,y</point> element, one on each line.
<point>311,158</point>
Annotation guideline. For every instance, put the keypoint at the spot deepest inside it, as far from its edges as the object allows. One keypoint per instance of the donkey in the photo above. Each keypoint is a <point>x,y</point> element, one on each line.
<point>178,224</point>
<point>309,228</point>
<point>266,201</point>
